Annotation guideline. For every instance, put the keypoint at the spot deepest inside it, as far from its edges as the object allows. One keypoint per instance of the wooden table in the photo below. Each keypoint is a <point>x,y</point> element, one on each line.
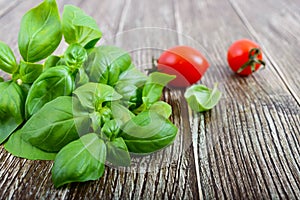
<point>247,147</point>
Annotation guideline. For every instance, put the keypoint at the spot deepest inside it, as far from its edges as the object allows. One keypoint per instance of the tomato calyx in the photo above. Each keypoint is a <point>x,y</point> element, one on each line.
<point>253,60</point>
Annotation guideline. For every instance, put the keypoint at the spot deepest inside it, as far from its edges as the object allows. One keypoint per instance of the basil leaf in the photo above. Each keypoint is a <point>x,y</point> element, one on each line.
<point>40,32</point>
<point>162,108</point>
<point>1,79</point>
<point>20,148</point>
<point>111,128</point>
<point>200,98</point>
<point>81,77</point>
<point>79,27</point>
<point>56,124</point>
<point>117,152</point>
<point>154,86</point>
<point>130,86</point>
<point>121,113</point>
<point>92,95</point>
<point>106,63</point>
<point>8,61</point>
<point>53,83</point>
<point>51,61</point>
<point>12,100</point>
<point>99,118</point>
<point>153,89</point>
<point>133,76</point>
<point>96,122</point>
<point>105,114</point>
<point>132,95</point>
<point>75,56</point>
<point>29,72</point>
<point>79,161</point>
<point>148,132</point>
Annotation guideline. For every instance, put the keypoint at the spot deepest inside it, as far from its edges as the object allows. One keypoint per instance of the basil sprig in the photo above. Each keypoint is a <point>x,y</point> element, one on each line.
<point>201,98</point>
<point>85,108</point>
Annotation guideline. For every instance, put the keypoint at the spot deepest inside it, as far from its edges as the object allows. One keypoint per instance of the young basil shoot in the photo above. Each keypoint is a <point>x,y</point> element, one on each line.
<point>201,98</point>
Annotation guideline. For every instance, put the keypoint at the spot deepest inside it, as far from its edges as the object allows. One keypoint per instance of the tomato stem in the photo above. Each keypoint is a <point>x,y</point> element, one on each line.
<point>253,60</point>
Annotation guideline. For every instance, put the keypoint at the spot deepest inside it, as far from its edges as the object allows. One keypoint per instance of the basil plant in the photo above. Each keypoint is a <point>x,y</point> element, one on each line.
<point>84,109</point>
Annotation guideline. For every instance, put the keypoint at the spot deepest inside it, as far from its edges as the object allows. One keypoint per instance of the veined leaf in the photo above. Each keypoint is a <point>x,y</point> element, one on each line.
<point>80,160</point>
<point>201,98</point>
<point>79,28</point>
<point>12,100</point>
<point>40,32</point>
<point>20,148</point>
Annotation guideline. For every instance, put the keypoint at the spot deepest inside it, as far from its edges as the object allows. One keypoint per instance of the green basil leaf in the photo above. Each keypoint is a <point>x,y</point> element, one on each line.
<point>132,95</point>
<point>56,124</point>
<point>154,86</point>
<point>75,56</point>
<point>29,72</point>
<point>81,77</point>
<point>133,76</point>
<point>8,61</point>
<point>1,79</point>
<point>106,63</point>
<point>20,148</point>
<point>51,61</point>
<point>162,108</point>
<point>105,114</point>
<point>130,86</point>
<point>79,161</point>
<point>25,88</point>
<point>121,113</point>
<point>92,95</point>
<point>200,98</point>
<point>56,81</point>
<point>12,100</point>
<point>96,122</point>
<point>40,32</point>
<point>148,132</point>
<point>79,28</point>
<point>112,128</point>
<point>117,153</point>
<point>99,118</point>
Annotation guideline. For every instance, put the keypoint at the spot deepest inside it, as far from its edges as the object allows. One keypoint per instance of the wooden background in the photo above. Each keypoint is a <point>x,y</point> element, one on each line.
<point>247,147</point>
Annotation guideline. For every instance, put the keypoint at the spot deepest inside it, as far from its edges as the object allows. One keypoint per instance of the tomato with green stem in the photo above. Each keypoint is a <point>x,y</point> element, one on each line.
<point>245,57</point>
<point>187,63</point>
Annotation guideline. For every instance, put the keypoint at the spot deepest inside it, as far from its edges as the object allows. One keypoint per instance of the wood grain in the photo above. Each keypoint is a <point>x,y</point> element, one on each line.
<point>247,147</point>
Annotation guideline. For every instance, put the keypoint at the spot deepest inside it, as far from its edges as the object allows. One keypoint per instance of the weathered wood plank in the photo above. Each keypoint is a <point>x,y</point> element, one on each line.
<point>6,7</point>
<point>246,146</point>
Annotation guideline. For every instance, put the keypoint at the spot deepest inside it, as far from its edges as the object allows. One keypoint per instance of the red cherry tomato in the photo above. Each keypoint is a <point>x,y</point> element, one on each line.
<point>188,64</point>
<point>244,57</point>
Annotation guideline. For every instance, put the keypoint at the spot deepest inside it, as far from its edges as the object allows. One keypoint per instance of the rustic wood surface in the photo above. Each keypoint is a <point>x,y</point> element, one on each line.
<point>247,147</point>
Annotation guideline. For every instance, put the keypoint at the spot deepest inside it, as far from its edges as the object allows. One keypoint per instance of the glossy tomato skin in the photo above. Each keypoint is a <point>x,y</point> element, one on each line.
<point>187,63</point>
<point>238,55</point>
